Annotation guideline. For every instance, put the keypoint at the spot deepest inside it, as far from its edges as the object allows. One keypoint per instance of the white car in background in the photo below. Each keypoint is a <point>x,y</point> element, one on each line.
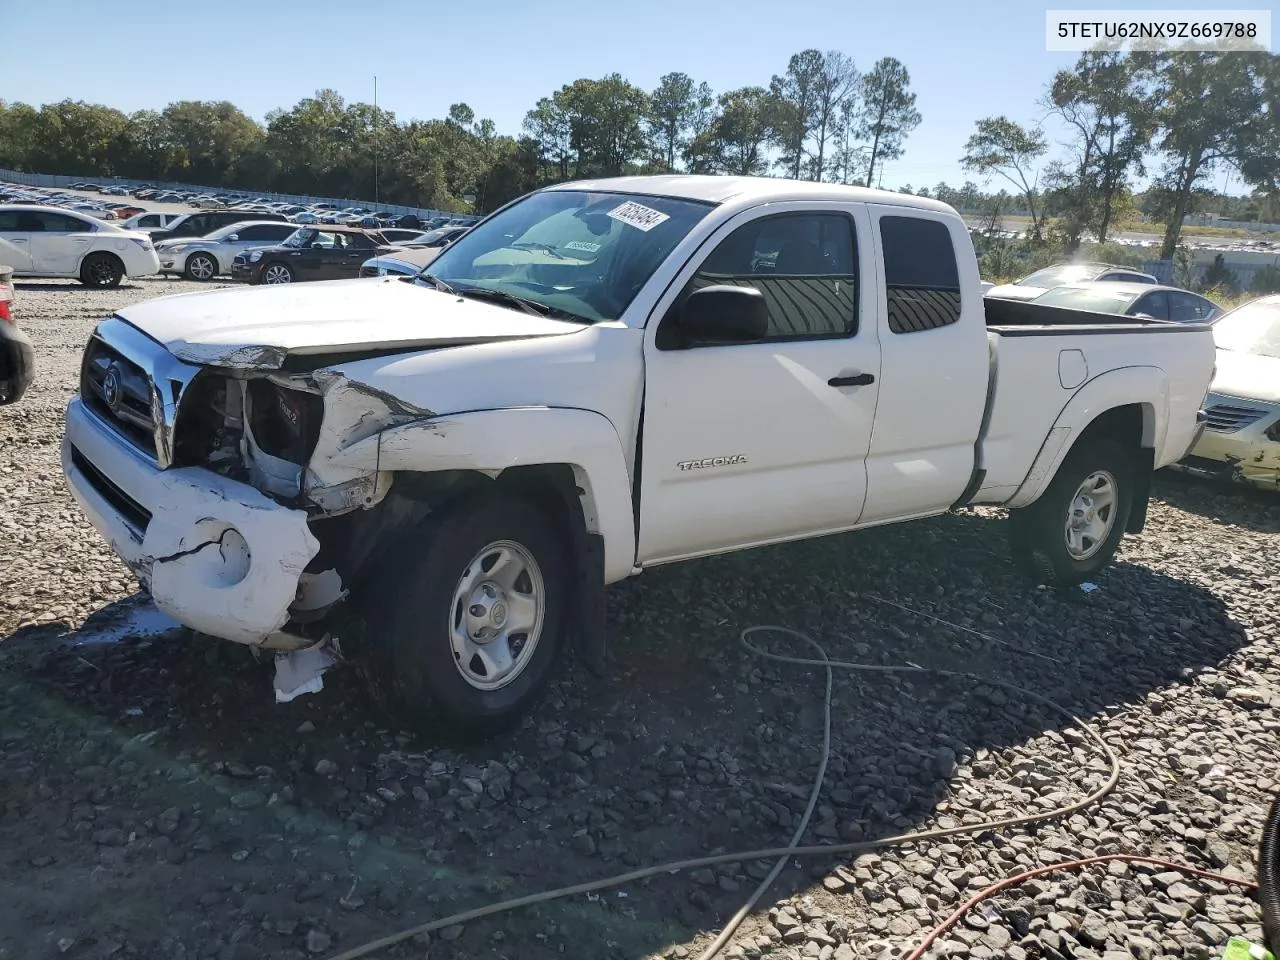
<point>1030,287</point>
<point>150,221</point>
<point>203,258</point>
<point>40,241</point>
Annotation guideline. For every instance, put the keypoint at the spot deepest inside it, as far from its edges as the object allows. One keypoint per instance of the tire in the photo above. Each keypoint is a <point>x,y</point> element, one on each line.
<point>1069,534</point>
<point>430,598</point>
<point>276,273</point>
<point>202,267</point>
<point>101,270</point>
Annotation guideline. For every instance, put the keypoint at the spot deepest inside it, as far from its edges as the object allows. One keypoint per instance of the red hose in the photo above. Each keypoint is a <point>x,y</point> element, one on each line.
<point>1018,878</point>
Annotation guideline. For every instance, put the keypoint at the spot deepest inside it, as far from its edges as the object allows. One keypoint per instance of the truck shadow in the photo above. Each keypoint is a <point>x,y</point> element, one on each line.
<point>691,744</point>
<point>1220,501</point>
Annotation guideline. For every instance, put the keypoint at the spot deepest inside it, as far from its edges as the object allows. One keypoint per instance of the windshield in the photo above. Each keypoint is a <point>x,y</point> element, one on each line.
<point>578,254</point>
<point>1254,328</point>
<point>1062,273</point>
<point>1086,298</point>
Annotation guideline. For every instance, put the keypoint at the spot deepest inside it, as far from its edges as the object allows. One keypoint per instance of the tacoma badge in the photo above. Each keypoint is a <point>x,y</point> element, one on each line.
<point>711,462</point>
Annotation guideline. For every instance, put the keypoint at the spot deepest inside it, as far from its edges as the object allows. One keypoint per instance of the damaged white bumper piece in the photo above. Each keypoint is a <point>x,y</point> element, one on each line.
<point>215,554</point>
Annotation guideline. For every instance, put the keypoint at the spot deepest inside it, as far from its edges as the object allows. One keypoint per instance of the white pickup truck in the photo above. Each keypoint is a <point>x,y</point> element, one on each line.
<point>602,377</point>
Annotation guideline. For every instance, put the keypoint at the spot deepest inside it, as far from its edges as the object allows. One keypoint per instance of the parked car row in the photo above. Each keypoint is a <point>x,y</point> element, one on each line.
<point>1107,288</point>
<point>102,210</point>
<point>320,212</point>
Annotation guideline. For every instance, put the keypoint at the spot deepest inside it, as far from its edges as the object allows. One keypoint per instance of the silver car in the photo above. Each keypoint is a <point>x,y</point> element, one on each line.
<point>203,258</point>
<point>1241,438</point>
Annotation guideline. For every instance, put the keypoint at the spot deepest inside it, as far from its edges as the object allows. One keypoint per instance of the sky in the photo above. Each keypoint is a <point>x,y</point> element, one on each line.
<point>966,60</point>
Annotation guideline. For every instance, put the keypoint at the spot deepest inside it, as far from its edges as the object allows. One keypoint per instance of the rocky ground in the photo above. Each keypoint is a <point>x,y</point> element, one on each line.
<point>154,802</point>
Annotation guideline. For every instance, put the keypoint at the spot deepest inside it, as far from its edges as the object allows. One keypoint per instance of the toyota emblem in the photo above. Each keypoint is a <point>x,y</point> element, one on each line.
<point>111,389</point>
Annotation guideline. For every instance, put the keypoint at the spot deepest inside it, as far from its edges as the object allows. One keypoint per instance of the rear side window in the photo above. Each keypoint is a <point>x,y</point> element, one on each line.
<point>1188,308</point>
<point>920,274</point>
<point>1152,305</point>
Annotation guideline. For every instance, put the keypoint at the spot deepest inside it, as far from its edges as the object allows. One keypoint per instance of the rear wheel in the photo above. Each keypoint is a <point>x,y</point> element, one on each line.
<point>465,615</point>
<point>277,273</point>
<point>1075,528</point>
<point>101,270</point>
<point>202,267</point>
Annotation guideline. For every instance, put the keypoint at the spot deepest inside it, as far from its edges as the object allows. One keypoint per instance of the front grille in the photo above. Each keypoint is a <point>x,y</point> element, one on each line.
<point>1228,418</point>
<point>120,392</point>
<point>134,513</point>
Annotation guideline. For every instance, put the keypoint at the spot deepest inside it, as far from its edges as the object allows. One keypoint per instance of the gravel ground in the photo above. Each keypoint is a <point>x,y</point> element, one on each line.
<point>155,802</point>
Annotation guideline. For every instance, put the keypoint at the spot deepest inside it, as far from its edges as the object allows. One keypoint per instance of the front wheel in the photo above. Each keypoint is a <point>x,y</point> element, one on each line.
<point>1075,528</point>
<point>277,273</point>
<point>465,617</point>
<point>202,267</point>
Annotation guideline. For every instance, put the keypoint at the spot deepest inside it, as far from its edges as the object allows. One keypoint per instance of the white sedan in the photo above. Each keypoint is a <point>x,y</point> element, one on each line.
<point>40,241</point>
<point>203,258</point>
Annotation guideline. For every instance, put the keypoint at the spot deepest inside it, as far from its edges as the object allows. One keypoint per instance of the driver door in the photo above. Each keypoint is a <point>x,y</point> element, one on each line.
<point>755,443</point>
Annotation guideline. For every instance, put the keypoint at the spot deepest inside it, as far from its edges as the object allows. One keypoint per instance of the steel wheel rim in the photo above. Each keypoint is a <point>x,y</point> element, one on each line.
<point>102,272</point>
<point>496,617</point>
<point>1091,515</point>
<point>277,274</point>
<point>202,267</point>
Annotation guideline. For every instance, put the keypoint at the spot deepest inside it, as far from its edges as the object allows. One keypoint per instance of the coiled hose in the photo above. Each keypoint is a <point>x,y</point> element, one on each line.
<point>1269,877</point>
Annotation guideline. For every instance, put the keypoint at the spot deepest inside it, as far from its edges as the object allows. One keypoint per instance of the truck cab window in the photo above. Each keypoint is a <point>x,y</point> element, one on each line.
<point>803,264</point>
<point>921,278</point>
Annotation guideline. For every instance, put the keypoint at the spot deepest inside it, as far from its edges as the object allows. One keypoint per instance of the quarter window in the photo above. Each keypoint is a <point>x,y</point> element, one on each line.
<point>920,274</point>
<point>1188,308</point>
<point>803,264</point>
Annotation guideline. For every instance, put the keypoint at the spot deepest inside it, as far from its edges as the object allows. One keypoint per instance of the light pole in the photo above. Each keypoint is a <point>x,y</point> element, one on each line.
<point>375,139</point>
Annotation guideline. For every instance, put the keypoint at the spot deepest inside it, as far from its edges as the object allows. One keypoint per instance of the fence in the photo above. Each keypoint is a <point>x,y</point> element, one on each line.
<point>1244,271</point>
<point>57,180</point>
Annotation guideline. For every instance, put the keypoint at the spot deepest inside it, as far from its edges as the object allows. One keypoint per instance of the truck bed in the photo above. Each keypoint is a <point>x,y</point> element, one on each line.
<point>1014,314</point>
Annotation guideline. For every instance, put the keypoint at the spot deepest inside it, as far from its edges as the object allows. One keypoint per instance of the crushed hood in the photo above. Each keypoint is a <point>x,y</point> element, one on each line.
<point>1248,376</point>
<point>258,327</point>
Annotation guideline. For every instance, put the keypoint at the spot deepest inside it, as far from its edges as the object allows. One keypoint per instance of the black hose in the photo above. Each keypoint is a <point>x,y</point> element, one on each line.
<point>1269,878</point>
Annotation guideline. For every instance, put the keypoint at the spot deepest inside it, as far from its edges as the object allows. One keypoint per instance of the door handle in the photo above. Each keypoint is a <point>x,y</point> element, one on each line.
<point>855,380</point>
<point>18,240</point>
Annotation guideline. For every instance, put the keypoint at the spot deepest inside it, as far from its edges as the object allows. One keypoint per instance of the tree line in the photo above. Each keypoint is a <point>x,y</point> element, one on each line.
<point>820,119</point>
<point>1178,118</point>
<point>1181,117</point>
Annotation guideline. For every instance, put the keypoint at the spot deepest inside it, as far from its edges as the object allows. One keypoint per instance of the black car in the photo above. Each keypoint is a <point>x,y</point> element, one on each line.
<point>311,253</point>
<point>206,221</point>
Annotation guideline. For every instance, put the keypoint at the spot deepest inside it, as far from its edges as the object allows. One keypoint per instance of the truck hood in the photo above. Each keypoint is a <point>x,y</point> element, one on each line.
<point>1248,376</point>
<point>257,328</point>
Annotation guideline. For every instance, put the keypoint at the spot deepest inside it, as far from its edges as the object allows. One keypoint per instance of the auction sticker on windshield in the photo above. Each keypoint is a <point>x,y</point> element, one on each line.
<point>582,245</point>
<point>638,215</point>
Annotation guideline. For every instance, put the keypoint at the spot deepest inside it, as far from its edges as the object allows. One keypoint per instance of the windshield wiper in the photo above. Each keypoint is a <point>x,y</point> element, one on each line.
<point>436,282</point>
<point>501,296</point>
<point>534,245</point>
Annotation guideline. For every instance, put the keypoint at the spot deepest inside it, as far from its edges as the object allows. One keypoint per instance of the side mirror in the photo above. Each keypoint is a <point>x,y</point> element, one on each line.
<point>723,314</point>
<point>233,238</point>
<point>317,246</point>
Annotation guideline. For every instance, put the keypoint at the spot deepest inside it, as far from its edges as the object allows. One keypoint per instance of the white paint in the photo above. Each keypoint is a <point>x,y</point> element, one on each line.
<point>301,671</point>
<point>240,589</point>
<point>225,327</point>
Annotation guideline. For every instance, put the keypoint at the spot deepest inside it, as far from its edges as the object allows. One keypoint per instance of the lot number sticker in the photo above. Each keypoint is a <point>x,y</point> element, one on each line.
<point>638,215</point>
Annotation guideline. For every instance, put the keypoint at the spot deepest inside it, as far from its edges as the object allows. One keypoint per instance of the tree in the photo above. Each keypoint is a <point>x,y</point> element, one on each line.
<point>793,107</point>
<point>673,106</point>
<point>888,112</point>
<point>834,88</point>
<point>741,132</point>
<point>1102,101</point>
<point>547,124</point>
<point>1208,109</point>
<point>1004,147</point>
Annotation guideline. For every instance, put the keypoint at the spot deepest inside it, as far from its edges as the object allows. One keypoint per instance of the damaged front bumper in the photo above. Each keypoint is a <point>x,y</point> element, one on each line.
<point>1238,444</point>
<point>215,554</point>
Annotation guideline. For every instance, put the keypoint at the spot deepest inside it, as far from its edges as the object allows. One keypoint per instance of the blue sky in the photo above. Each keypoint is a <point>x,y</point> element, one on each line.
<point>966,60</point>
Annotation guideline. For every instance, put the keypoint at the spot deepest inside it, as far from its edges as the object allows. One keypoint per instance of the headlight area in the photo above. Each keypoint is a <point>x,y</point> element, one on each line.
<point>254,430</point>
